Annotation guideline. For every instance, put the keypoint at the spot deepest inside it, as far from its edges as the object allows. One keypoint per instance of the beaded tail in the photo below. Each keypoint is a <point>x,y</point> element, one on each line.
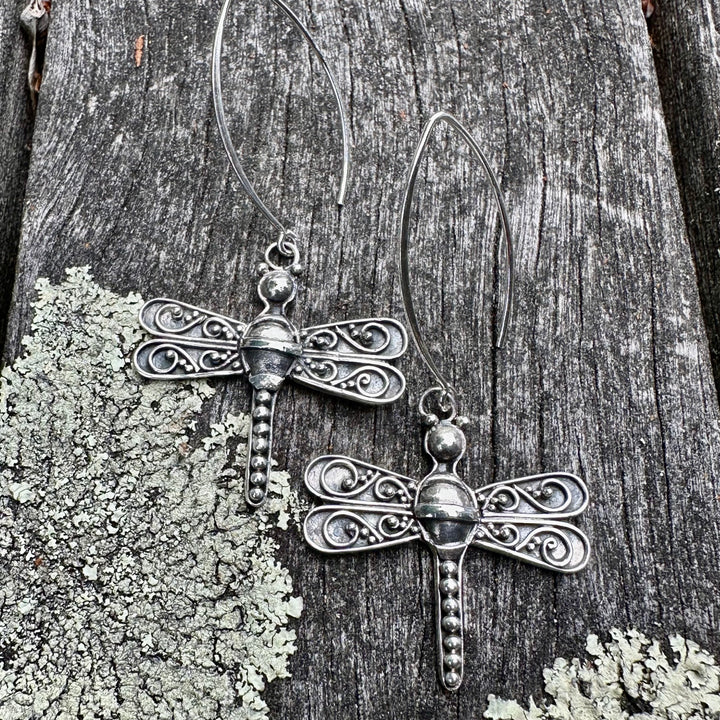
<point>259,446</point>
<point>449,618</point>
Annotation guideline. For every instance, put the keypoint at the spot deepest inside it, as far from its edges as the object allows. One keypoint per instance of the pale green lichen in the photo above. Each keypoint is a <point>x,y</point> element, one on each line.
<point>135,583</point>
<point>629,678</point>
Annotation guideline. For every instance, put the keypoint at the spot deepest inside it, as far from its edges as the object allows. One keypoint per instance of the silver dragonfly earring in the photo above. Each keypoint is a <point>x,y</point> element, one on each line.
<point>367,508</point>
<point>347,358</point>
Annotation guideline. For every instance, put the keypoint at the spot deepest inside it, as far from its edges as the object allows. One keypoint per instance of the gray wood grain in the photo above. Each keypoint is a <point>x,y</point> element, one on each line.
<point>606,371</point>
<point>685,37</point>
<point>15,135</point>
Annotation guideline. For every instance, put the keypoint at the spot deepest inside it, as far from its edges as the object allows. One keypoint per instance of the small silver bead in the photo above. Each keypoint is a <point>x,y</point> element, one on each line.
<point>451,624</point>
<point>449,586</point>
<point>452,679</point>
<point>256,495</point>
<point>263,397</point>
<point>452,661</point>
<point>263,429</point>
<point>257,462</point>
<point>450,606</point>
<point>448,568</point>
<point>452,642</point>
<point>260,445</point>
<point>261,413</point>
<point>257,479</point>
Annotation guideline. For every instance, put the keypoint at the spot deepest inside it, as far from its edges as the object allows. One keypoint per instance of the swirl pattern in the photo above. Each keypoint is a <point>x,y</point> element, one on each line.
<point>161,358</point>
<point>345,529</point>
<point>554,494</point>
<point>364,337</point>
<point>341,478</point>
<point>555,546</point>
<point>368,382</point>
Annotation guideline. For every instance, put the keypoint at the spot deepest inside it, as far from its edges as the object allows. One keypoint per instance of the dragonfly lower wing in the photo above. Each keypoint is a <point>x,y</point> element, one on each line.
<point>174,359</point>
<point>359,379</point>
<point>554,546</point>
<point>354,528</point>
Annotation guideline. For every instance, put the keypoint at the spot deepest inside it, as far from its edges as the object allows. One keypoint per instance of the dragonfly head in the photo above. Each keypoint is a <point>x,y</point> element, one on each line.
<point>277,288</point>
<point>445,443</point>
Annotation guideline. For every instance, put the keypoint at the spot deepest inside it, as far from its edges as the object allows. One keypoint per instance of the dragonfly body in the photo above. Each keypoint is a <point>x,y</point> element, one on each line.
<point>346,359</point>
<point>365,508</point>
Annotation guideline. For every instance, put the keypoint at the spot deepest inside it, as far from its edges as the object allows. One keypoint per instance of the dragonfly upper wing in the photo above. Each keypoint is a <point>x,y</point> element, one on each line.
<point>364,508</point>
<point>348,359</point>
<point>378,338</point>
<point>552,495</point>
<point>190,343</point>
<point>165,317</point>
<point>338,478</point>
<point>555,546</point>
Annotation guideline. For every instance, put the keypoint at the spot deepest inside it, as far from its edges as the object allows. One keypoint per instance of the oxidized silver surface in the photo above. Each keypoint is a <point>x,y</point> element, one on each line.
<point>345,358</point>
<point>366,508</point>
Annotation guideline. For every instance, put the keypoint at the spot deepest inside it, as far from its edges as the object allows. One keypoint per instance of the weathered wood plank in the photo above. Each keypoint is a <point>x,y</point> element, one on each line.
<point>606,371</point>
<point>685,39</point>
<point>15,134</point>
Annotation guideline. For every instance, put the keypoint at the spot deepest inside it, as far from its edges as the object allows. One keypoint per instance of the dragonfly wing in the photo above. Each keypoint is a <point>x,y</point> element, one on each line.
<point>354,378</point>
<point>375,338</point>
<point>337,478</point>
<point>351,527</point>
<point>551,545</point>
<point>348,359</point>
<point>165,317</point>
<point>170,358</point>
<point>552,495</point>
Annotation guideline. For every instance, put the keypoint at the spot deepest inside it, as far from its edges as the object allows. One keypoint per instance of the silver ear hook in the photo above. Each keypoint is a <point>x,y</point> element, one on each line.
<point>405,232</point>
<point>225,133</point>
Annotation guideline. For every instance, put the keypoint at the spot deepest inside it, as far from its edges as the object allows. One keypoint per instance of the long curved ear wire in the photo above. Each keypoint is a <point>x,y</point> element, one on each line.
<point>351,359</point>
<point>225,133</point>
<point>405,284</point>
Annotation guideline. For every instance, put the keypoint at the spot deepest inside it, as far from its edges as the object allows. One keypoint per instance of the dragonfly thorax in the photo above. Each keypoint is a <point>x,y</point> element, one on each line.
<point>447,511</point>
<point>270,348</point>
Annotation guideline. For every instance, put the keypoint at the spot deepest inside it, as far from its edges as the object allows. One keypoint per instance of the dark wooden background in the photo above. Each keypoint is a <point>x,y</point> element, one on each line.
<point>603,131</point>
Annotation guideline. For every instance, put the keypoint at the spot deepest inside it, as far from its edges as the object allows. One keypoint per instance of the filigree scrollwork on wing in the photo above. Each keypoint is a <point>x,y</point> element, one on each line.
<point>381,338</point>
<point>166,358</point>
<point>342,478</point>
<point>555,546</point>
<point>559,495</point>
<point>173,318</point>
<point>348,528</point>
<point>362,381</point>
<point>368,337</point>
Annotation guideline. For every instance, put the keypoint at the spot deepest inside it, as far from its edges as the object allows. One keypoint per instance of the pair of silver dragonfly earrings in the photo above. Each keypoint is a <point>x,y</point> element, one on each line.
<point>363,507</point>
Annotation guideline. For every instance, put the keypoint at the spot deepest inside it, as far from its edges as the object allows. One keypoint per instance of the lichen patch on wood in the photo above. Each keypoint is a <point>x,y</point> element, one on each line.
<point>629,678</point>
<point>135,584</point>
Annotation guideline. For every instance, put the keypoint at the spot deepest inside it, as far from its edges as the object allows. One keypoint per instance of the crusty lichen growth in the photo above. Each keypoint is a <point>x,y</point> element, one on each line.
<point>135,584</point>
<point>628,678</point>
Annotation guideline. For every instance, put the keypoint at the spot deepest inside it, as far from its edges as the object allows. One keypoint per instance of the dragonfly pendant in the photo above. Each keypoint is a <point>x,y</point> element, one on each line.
<point>367,508</point>
<point>348,358</point>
